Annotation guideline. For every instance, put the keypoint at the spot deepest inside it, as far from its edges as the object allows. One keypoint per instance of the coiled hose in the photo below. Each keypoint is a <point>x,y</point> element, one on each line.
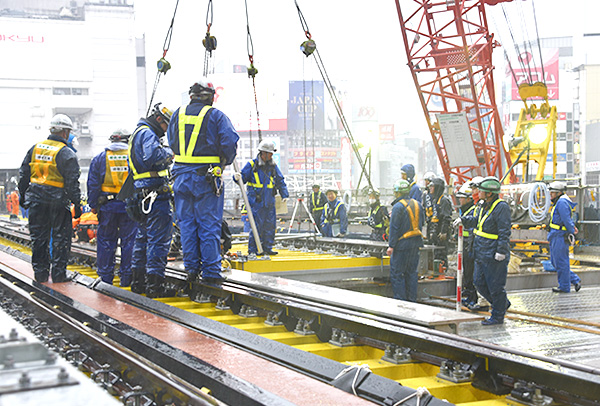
<point>539,202</point>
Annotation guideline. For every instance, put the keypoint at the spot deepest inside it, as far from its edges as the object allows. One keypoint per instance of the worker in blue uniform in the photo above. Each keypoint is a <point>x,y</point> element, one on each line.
<point>441,218</point>
<point>427,201</point>
<point>204,142</point>
<point>149,162</point>
<point>245,219</point>
<point>405,240</point>
<point>263,180</point>
<point>106,177</point>
<point>491,245</point>
<point>470,297</point>
<point>407,172</point>
<point>316,204</point>
<point>378,218</point>
<point>562,234</point>
<point>334,221</point>
<point>48,184</point>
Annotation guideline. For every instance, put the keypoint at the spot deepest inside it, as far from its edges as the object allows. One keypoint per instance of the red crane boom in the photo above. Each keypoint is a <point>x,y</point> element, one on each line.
<point>449,50</point>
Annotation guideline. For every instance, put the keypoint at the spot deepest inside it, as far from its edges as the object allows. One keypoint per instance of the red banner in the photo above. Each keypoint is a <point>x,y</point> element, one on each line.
<point>532,74</point>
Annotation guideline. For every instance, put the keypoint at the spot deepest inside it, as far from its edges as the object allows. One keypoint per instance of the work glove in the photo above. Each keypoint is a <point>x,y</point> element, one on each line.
<point>341,235</point>
<point>284,200</point>
<point>237,176</point>
<point>456,222</point>
<point>77,211</point>
<point>22,202</point>
<point>499,257</point>
<point>442,236</point>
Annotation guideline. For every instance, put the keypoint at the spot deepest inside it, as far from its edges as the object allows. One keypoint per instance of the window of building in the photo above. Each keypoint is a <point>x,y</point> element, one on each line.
<point>570,146</point>
<point>561,136</point>
<point>569,126</point>
<point>61,91</point>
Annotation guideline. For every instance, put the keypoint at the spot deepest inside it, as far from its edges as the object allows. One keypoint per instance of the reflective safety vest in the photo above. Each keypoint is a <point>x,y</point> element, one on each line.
<point>43,164</point>
<point>315,206</point>
<point>184,154</point>
<point>466,233</point>
<point>413,212</point>
<point>556,226</point>
<point>332,213</point>
<point>256,182</point>
<point>372,213</point>
<point>116,171</point>
<point>479,230</point>
<point>151,174</point>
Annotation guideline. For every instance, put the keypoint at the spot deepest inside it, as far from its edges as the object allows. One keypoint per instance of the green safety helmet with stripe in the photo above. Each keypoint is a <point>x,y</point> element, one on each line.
<point>402,186</point>
<point>490,184</point>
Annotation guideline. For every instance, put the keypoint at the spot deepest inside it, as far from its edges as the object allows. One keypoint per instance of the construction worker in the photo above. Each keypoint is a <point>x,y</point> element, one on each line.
<point>204,142</point>
<point>150,205</point>
<point>263,179</point>
<point>379,218</point>
<point>405,241</point>
<point>491,245</point>
<point>426,199</point>
<point>407,172</point>
<point>439,226</point>
<point>469,293</point>
<point>316,204</point>
<point>14,207</point>
<point>48,184</point>
<point>561,236</point>
<point>108,171</point>
<point>245,219</point>
<point>334,221</point>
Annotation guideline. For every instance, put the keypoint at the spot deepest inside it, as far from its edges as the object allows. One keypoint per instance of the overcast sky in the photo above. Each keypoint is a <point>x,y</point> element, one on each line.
<point>359,41</point>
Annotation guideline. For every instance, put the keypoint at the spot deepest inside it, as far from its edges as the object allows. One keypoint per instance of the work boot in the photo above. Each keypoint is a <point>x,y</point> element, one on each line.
<point>189,283</point>
<point>156,287</point>
<point>125,280</point>
<point>577,286</point>
<point>214,280</point>
<point>41,277</point>
<point>138,283</point>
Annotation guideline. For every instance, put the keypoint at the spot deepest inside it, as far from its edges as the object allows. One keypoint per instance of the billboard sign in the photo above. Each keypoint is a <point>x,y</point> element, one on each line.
<point>306,106</point>
<point>526,70</point>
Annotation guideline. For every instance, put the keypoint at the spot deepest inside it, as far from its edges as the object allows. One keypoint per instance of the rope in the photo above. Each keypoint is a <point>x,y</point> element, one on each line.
<point>207,52</point>
<point>358,368</point>
<point>166,46</point>
<point>539,202</point>
<point>331,91</point>
<point>419,393</point>
<point>252,71</point>
<point>537,33</point>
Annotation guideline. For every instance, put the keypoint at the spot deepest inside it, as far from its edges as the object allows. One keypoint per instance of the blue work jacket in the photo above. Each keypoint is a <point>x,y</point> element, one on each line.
<point>401,223</point>
<point>215,137</point>
<point>491,226</point>
<point>261,183</point>
<point>561,221</point>
<point>415,192</point>
<point>96,178</point>
<point>148,154</point>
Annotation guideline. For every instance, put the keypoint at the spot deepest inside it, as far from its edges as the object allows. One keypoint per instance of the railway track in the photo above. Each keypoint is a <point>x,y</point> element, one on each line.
<point>322,340</point>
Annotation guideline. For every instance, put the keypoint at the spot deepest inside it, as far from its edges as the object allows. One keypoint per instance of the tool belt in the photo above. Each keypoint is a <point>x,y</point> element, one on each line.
<point>213,175</point>
<point>103,199</point>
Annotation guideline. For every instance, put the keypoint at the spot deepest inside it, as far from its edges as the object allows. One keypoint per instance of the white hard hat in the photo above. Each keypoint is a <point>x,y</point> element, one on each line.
<point>202,86</point>
<point>429,176</point>
<point>464,191</point>
<point>267,146</point>
<point>60,122</point>
<point>476,181</point>
<point>557,186</point>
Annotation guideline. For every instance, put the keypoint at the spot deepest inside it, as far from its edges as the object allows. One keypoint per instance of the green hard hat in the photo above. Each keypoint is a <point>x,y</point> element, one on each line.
<point>490,184</point>
<point>402,186</point>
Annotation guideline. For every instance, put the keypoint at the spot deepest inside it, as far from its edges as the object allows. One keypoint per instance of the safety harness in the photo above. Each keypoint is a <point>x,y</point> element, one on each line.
<point>315,204</point>
<point>116,171</point>
<point>144,175</point>
<point>556,226</point>
<point>413,212</point>
<point>479,230</point>
<point>466,233</point>
<point>43,164</point>
<point>331,214</point>
<point>257,183</point>
<point>184,153</point>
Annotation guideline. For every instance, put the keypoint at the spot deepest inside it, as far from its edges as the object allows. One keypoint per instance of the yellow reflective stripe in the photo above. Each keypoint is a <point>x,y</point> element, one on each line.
<point>479,230</point>
<point>335,210</point>
<point>197,159</point>
<point>555,226</point>
<point>469,210</point>
<point>466,233</point>
<point>186,154</point>
<point>373,212</point>
<point>144,175</point>
<point>414,220</point>
<point>257,183</point>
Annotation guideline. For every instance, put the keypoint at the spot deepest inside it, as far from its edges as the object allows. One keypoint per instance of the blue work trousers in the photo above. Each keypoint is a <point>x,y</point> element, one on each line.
<point>265,218</point>
<point>199,214</point>
<point>490,281</point>
<point>404,273</point>
<point>113,226</point>
<point>46,221</point>
<point>559,256</point>
<point>153,240</point>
